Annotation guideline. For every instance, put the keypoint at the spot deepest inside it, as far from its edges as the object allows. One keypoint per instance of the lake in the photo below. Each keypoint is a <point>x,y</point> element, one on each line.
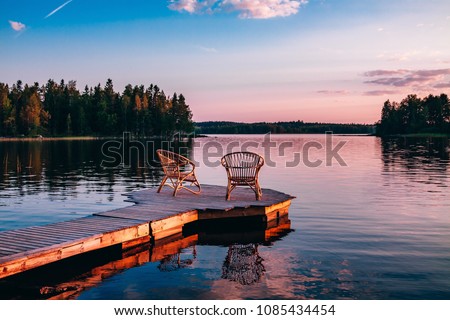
<point>371,219</point>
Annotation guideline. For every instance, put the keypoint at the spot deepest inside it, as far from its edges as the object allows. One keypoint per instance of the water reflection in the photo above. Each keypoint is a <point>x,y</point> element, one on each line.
<point>43,181</point>
<point>423,161</point>
<point>176,261</point>
<point>243,264</point>
<point>414,154</point>
<point>58,166</point>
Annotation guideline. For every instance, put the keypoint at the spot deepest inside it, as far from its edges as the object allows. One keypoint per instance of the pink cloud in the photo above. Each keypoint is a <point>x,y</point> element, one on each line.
<point>409,78</point>
<point>17,26</point>
<point>248,9</point>
<point>190,6</point>
<point>442,85</point>
<point>334,92</point>
<point>264,9</point>
<point>376,73</point>
<point>379,92</point>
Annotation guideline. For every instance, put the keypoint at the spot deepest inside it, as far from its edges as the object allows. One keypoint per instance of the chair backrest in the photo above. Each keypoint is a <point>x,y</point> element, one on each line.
<point>171,161</point>
<point>242,164</point>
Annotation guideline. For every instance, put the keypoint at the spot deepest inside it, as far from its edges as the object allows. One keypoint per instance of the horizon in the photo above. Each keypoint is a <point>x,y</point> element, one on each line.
<point>323,61</point>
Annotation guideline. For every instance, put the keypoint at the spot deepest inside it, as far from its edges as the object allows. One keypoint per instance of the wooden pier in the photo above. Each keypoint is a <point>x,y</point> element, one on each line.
<point>153,217</point>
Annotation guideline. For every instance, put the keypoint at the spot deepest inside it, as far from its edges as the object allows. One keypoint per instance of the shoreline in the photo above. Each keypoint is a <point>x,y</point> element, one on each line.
<point>50,138</point>
<point>75,138</point>
<point>417,135</point>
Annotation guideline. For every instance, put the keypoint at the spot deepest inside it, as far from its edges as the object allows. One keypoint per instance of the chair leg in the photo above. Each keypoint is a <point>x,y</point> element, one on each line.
<point>176,188</point>
<point>163,182</point>
<point>227,197</point>
<point>197,184</point>
<point>258,191</point>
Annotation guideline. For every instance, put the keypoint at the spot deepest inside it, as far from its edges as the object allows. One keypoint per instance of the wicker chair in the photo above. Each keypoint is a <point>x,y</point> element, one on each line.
<point>243,170</point>
<point>177,170</point>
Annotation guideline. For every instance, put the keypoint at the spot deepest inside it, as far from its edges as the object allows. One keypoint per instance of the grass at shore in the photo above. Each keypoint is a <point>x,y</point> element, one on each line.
<point>48,138</point>
<point>425,135</point>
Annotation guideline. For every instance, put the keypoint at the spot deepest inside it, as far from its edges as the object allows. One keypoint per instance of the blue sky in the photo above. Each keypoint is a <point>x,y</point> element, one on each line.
<point>239,60</point>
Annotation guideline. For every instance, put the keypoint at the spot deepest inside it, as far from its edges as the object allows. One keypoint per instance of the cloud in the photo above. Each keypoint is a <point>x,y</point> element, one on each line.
<point>399,56</point>
<point>420,79</point>
<point>376,73</point>
<point>207,49</point>
<point>17,26</point>
<point>190,6</point>
<point>57,9</point>
<point>334,92</point>
<point>247,9</point>
<point>379,92</point>
<point>264,9</point>
<point>442,85</point>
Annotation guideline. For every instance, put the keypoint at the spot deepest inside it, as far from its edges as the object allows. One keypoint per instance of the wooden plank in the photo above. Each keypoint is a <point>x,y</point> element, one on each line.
<point>162,250</point>
<point>60,231</point>
<point>24,239</point>
<point>20,246</point>
<point>135,242</point>
<point>8,251</point>
<point>278,205</point>
<point>35,258</point>
<point>234,213</point>
<point>172,225</point>
<point>23,235</point>
<point>278,211</point>
<point>173,221</point>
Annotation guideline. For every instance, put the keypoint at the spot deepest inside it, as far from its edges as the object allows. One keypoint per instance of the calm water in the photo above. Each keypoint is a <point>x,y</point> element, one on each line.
<point>377,227</point>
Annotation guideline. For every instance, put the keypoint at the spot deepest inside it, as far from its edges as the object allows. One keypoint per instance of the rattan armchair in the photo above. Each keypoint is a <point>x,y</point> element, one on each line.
<point>243,170</point>
<point>177,170</point>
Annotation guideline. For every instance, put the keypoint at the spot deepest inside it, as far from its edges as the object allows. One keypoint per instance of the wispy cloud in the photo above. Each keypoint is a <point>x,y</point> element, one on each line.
<point>57,9</point>
<point>247,9</point>
<point>190,6</point>
<point>334,92</point>
<point>420,79</point>
<point>264,9</point>
<point>442,85</point>
<point>379,92</point>
<point>208,49</point>
<point>376,73</point>
<point>17,26</point>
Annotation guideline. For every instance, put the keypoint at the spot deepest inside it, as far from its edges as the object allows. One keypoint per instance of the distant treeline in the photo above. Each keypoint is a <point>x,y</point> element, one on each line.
<point>61,110</point>
<point>223,127</point>
<point>414,115</point>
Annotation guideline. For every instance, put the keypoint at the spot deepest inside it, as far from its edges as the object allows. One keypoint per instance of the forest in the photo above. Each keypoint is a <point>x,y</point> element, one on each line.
<point>415,115</point>
<point>223,127</point>
<point>60,109</point>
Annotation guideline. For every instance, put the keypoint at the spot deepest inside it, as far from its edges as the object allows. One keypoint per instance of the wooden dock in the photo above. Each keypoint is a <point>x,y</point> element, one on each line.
<point>153,217</point>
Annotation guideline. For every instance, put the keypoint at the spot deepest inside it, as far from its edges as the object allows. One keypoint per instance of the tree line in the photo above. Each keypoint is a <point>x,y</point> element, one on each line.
<point>60,109</point>
<point>224,127</point>
<point>415,115</point>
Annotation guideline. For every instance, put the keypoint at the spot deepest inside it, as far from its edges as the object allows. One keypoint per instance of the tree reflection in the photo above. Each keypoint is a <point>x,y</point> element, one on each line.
<point>415,153</point>
<point>62,167</point>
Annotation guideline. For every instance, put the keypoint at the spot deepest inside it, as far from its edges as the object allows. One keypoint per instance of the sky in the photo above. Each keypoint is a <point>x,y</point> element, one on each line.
<point>238,60</point>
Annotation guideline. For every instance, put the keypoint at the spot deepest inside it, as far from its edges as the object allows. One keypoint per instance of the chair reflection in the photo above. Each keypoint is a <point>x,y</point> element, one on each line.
<point>174,262</point>
<point>243,264</point>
